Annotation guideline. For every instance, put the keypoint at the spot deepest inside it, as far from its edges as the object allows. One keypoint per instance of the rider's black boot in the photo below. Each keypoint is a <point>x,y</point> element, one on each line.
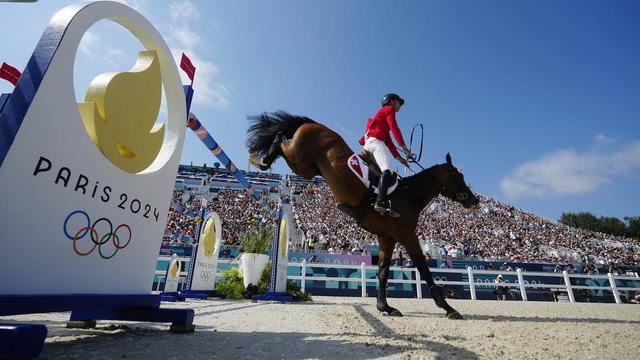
<point>382,204</point>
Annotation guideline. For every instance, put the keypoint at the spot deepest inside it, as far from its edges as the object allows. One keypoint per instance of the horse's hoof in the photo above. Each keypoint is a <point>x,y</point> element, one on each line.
<point>389,311</point>
<point>454,316</point>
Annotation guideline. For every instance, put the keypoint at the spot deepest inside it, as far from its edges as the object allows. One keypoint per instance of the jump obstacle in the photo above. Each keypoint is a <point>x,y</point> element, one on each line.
<point>280,240</point>
<point>90,202</point>
<point>106,196</point>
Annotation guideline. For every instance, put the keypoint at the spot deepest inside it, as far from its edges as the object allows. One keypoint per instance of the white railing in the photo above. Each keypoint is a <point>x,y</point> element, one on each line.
<point>521,283</point>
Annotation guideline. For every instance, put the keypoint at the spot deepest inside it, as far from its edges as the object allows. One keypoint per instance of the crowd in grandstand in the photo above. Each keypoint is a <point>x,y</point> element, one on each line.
<point>181,224</point>
<point>501,231</point>
<point>239,211</point>
<point>325,227</point>
<point>497,231</point>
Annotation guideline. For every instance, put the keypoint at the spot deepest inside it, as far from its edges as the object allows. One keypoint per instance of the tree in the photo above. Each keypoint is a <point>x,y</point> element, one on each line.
<point>568,219</point>
<point>607,225</point>
<point>633,226</point>
<point>582,220</point>
<point>611,225</point>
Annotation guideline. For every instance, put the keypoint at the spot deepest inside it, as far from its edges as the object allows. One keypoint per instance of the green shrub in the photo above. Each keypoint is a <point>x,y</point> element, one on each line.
<point>265,278</point>
<point>292,287</point>
<point>296,292</point>
<point>231,284</point>
<point>257,241</point>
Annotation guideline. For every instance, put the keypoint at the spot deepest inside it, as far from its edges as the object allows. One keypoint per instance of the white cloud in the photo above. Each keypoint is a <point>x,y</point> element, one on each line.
<point>602,140</point>
<point>185,37</point>
<point>115,56</point>
<point>568,172</point>
<point>182,39</point>
<point>184,9</point>
<point>89,43</point>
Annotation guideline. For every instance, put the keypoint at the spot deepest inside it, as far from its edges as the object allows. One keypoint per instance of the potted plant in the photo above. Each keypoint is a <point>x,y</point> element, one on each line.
<point>255,243</point>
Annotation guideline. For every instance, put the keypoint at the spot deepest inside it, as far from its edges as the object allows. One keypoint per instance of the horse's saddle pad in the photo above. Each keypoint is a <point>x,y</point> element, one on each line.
<point>368,172</point>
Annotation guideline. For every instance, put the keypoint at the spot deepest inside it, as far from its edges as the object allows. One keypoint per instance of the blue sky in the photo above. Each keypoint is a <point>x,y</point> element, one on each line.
<point>537,101</point>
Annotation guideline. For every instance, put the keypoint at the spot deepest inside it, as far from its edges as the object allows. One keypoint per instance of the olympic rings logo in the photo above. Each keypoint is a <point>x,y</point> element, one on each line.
<point>205,276</point>
<point>110,234</point>
<point>438,278</point>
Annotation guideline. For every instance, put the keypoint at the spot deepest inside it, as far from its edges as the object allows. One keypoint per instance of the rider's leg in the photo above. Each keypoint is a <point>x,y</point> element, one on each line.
<point>379,151</point>
<point>382,204</point>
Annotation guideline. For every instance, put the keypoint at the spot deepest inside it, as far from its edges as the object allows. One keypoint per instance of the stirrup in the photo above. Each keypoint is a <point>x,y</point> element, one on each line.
<point>384,208</point>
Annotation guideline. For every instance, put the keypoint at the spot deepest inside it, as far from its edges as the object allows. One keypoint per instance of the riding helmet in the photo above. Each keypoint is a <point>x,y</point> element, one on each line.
<point>388,97</point>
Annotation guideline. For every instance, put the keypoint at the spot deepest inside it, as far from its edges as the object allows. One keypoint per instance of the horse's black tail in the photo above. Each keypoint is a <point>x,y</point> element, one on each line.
<point>264,129</point>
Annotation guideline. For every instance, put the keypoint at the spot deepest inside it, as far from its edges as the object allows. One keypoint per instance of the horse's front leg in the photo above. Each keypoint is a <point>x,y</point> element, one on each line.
<point>385,253</point>
<point>412,246</point>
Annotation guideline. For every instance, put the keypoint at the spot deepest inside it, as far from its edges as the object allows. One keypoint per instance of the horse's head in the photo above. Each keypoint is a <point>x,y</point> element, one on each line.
<point>454,187</point>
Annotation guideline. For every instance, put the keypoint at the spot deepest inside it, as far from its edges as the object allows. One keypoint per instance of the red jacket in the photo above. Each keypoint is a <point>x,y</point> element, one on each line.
<point>379,126</point>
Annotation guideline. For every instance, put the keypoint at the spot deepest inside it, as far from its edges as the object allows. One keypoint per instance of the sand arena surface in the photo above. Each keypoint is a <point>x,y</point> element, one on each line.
<point>351,328</point>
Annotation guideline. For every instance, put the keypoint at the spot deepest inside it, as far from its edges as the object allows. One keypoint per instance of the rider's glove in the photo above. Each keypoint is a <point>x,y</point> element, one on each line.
<point>406,151</point>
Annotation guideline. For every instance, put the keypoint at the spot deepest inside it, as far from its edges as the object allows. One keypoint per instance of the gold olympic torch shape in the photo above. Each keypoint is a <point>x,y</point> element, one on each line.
<point>120,112</point>
<point>209,238</point>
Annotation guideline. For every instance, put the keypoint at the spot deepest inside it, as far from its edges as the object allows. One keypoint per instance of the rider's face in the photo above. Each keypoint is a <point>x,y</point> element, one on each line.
<point>396,105</point>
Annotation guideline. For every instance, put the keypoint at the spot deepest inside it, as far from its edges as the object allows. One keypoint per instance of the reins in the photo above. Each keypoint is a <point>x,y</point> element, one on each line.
<point>413,159</point>
<point>421,140</point>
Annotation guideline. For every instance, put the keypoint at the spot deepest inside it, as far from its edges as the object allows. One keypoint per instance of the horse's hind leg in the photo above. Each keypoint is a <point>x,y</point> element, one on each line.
<point>412,246</point>
<point>385,253</point>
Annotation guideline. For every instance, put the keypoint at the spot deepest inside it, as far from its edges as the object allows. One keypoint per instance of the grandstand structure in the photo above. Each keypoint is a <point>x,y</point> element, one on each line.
<point>498,232</point>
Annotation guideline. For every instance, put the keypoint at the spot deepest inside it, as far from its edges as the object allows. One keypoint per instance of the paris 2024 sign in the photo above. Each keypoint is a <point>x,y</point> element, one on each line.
<point>86,183</point>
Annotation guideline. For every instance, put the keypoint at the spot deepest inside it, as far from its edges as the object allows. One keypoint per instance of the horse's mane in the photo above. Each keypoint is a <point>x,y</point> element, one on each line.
<point>264,128</point>
<point>418,178</point>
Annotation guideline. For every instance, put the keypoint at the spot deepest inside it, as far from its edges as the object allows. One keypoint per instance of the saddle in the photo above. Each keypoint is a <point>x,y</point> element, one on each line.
<point>365,167</point>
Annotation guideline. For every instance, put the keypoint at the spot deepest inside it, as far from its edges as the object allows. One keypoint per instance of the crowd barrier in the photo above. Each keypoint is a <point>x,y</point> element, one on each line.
<point>364,277</point>
<point>521,284</point>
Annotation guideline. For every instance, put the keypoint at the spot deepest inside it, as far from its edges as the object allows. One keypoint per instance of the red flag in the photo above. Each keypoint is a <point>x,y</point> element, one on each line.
<point>9,73</point>
<point>187,66</point>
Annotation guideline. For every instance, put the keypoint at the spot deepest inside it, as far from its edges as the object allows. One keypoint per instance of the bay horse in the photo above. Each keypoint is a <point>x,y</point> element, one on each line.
<point>311,149</point>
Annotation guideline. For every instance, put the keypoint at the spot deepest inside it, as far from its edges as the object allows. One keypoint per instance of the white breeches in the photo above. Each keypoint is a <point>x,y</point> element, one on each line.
<point>379,150</point>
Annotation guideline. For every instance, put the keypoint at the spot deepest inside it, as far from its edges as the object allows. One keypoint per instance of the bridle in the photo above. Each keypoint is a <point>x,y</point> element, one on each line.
<point>413,159</point>
<point>462,196</point>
